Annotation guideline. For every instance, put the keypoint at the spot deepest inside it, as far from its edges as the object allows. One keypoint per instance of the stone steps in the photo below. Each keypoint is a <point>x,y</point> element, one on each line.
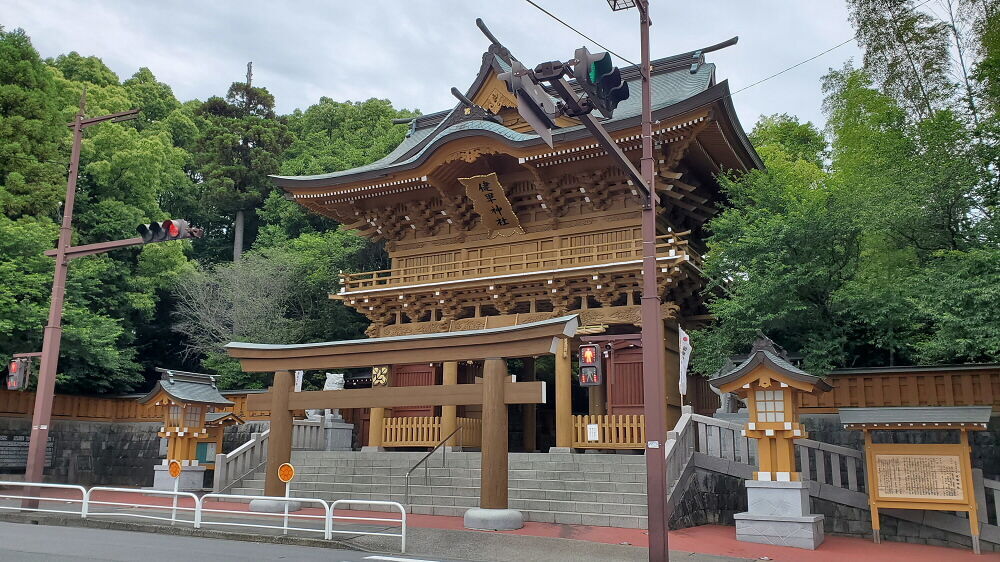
<point>587,489</point>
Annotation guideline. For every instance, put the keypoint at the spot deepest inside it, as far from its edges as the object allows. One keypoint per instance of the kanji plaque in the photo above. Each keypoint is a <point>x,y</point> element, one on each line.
<point>936,477</point>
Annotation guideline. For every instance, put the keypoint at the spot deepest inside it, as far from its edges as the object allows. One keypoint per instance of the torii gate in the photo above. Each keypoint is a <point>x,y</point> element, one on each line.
<point>493,345</point>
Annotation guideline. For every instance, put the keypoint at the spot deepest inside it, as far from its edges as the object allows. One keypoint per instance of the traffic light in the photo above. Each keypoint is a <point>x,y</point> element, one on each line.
<point>534,104</point>
<point>600,80</point>
<point>17,373</point>
<point>170,229</point>
<point>591,365</point>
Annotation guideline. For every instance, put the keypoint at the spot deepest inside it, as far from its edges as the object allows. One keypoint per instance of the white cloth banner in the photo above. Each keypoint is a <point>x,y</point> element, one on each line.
<point>684,345</point>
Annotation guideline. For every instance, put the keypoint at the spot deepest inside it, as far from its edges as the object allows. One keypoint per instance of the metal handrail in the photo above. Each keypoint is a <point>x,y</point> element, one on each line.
<point>444,458</point>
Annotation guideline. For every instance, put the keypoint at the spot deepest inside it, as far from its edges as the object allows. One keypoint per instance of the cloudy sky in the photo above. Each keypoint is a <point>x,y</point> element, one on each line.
<point>413,51</point>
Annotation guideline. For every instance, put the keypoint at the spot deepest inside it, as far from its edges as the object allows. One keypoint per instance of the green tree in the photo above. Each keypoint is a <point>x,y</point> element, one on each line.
<point>240,145</point>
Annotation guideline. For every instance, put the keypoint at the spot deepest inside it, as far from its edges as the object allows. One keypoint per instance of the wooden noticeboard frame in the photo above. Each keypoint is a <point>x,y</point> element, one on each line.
<point>922,458</point>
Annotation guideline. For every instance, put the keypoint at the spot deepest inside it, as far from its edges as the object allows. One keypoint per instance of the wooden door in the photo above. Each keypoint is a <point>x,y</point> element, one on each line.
<point>418,374</point>
<point>625,381</point>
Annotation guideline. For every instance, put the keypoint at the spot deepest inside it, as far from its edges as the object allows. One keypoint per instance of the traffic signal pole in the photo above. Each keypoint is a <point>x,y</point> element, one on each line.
<point>45,389</point>
<point>653,364</point>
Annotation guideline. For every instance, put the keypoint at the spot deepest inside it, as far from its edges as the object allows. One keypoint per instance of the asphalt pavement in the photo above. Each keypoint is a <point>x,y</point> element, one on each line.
<point>37,543</point>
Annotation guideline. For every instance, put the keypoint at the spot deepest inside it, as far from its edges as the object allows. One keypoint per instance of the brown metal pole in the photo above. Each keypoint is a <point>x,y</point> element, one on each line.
<point>654,391</point>
<point>45,390</point>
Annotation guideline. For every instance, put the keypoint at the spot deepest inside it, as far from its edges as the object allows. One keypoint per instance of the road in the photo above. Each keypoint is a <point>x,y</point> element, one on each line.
<point>36,543</point>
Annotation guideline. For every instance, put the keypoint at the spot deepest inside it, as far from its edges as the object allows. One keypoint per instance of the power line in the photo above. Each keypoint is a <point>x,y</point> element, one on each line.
<point>578,32</point>
<point>796,65</point>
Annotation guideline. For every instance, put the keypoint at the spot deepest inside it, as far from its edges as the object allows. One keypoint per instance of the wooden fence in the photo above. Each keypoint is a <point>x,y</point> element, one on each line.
<point>965,385</point>
<point>613,432</point>
<point>425,431</point>
<point>117,408</point>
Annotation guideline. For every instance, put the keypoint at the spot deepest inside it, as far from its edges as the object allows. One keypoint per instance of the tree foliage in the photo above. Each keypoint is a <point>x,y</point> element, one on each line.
<point>876,243</point>
<point>202,161</point>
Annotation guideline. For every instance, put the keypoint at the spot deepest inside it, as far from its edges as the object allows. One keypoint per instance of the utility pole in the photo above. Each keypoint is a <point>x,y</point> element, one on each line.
<point>653,367</point>
<point>533,107</point>
<point>45,390</point>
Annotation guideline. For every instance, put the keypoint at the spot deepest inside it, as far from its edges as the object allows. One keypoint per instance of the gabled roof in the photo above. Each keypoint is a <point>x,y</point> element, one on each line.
<point>182,386</point>
<point>674,81</point>
<point>765,353</point>
<point>219,417</point>
<point>917,415</point>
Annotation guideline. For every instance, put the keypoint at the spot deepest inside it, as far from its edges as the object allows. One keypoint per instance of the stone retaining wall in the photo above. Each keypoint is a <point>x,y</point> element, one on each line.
<point>93,453</point>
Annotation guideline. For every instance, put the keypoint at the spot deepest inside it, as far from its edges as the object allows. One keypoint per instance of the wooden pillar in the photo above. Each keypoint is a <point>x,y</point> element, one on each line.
<point>375,422</point>
<point>564,396</point>
<point>449,414</point>
<point>529,411</point>
<point>493,468</point>
<point>598,402</point>
<point>279,446</point>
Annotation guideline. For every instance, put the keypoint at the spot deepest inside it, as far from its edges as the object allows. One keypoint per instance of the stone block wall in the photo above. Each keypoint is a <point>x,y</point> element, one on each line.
<point>93,453</point>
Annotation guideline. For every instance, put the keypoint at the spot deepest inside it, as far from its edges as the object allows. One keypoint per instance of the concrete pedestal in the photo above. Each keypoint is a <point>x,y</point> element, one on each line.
<point>274,506</point>
<point>493,519</point>
<point>561,450</point>
<point>778,513</point>
<point>192,479</point>
<point>339,434</point>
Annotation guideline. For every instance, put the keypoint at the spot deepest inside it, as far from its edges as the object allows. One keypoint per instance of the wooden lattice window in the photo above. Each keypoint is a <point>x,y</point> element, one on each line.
<point>770,406</point>
<point>192,416</point>
<point>173,416</point>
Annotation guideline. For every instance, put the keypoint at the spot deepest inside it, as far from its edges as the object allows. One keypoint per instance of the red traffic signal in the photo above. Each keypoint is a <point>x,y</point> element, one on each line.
<point>170,229</point>
<point>17,373</point>
<point>591,365</point>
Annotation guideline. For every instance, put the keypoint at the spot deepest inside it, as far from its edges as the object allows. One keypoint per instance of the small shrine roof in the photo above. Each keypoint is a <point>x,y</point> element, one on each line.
<point>183,386</point>
<point>674,80</point>
<point>763,352</point>
<point>952,415</point>
<point>213,417</point>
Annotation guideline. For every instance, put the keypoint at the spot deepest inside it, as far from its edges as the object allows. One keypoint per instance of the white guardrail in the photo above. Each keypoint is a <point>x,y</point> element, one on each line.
<point>196,506</point>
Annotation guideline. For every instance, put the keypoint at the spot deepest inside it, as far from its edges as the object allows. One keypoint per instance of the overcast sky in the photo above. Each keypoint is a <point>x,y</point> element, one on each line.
<point>413,51</point>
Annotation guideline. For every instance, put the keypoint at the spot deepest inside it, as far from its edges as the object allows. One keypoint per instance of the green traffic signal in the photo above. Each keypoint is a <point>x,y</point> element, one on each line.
<point>600,80</point>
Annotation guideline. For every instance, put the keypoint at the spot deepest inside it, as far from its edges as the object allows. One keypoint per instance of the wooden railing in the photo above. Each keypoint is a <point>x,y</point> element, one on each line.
<point>417,431</point>
<point>425,431</point>
<point>471,434</point>
<point>613,432</point>
<point>917,386</point>
<point>527,262</point>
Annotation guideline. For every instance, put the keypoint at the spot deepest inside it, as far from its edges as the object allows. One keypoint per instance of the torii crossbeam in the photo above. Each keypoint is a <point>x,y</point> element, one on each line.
<point>492,345</point>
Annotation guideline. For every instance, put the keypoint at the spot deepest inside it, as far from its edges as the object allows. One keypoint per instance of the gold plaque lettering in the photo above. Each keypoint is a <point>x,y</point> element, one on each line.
<point>491,203</point>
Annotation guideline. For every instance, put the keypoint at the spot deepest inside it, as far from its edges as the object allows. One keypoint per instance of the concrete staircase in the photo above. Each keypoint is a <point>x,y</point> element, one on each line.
<point>583,489</point>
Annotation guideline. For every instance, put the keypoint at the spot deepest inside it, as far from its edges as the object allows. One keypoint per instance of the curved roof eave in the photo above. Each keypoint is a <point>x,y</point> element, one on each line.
<point>712,95</point>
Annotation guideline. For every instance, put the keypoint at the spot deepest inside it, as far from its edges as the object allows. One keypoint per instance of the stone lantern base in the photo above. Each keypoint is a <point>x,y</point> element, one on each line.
<point>778,514</point>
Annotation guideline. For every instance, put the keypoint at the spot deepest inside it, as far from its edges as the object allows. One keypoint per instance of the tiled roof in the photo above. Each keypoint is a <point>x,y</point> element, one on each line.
<point>670,86</point>
<point>187,387</point>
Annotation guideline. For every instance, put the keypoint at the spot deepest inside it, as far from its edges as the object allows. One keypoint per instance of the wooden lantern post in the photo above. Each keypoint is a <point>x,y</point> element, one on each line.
<point>778,500</point>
